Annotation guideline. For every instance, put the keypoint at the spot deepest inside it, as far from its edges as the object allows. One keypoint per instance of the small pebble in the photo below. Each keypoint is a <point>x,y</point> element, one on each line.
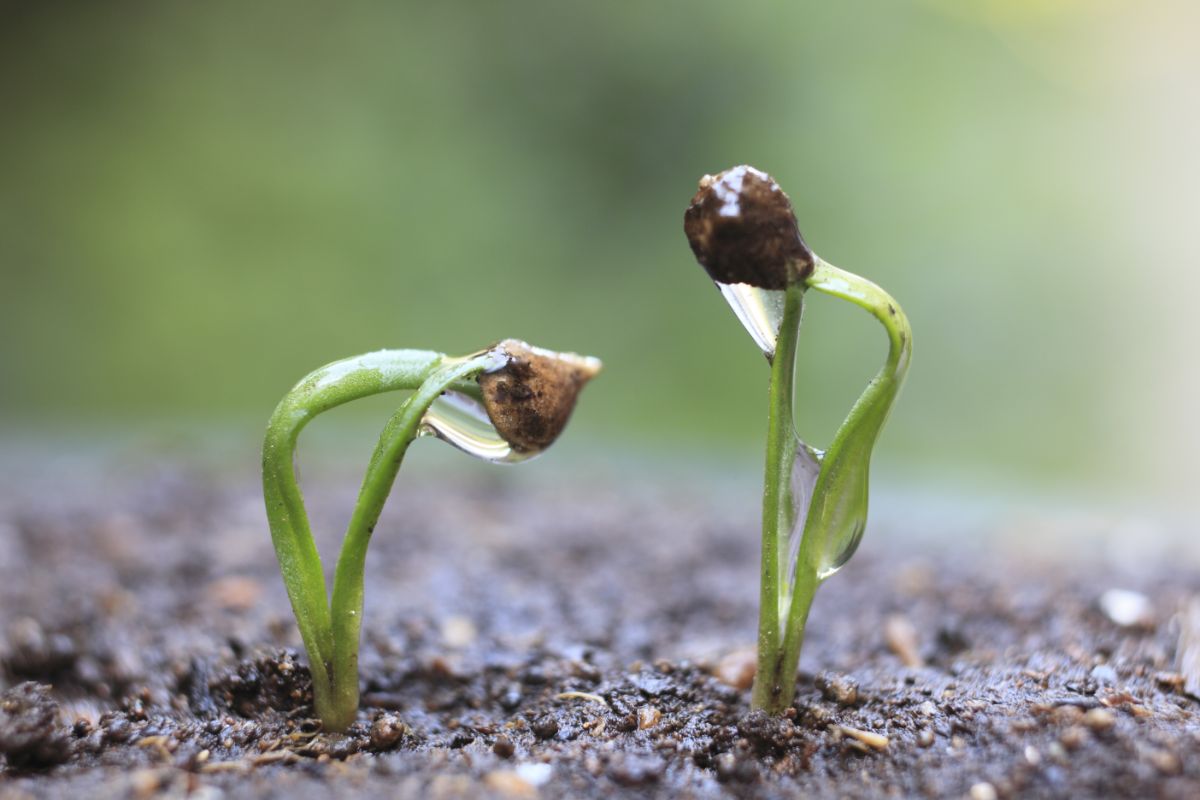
<point>458,632</point>
<point>901,638</point>
<point>117,730</point>
<point>737,669</point>
<point>1073,737</point>
<point>925,738</point>
<point>461,739</point>
<point>507,783</point>
<point>145,783</point>
<point>636,770</point>
<point>510,699</point>
<point>235,592</point>
<point>1032,756</point>
<point>545,727</point>
<point>839,689</point>
<point>1099,719</point>
<point>1169,680</point>
<point>726,766</point>
<point>535,774</point>
<point>503,747</point>
<point>648,717</point>
<point>533,675</point>
<point>1164,761</point>
<point>451,787</point>
<point>983,791</point>
<point>1127,608</point>
<point>1067,715</point>
<point>386,731</point>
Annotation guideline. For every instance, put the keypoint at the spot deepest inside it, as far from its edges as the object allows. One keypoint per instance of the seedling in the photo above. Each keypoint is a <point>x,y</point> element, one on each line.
<point>744,233</point>
<point>505,404</point>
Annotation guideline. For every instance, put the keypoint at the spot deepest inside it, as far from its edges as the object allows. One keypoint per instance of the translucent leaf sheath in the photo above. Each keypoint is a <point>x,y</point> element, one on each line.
<point>759,310</point>
<point>461,421</point>
<point>806,466</point>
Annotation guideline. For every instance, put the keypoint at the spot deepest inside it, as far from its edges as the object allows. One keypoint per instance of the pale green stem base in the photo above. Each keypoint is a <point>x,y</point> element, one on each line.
<point>770,679</point>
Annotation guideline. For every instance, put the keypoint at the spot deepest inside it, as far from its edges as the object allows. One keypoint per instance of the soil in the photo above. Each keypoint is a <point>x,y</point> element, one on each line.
<point>525,642</point>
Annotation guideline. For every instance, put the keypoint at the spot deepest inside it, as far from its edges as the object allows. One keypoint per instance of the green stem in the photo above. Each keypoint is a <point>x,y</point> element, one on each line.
<point>347,603</point>
<point>299,562</point>
<point>772,681</point>
<point>837,515</point>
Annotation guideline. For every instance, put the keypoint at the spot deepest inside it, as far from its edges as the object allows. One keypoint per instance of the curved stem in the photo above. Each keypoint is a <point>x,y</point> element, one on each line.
<point>771,681</point>
<point>347,603</point>
<point>838,513</point>
<point>299,562</point>
<point>837,516</point>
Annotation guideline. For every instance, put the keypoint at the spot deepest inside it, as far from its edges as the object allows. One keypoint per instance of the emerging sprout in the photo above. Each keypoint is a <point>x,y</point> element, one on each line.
<point>743,232</point>
<point>507,403</point>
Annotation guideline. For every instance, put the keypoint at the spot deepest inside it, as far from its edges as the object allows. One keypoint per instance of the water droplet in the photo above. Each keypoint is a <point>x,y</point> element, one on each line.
<point>759,310</point>
<point>460,420</point>
<point>849,542</point>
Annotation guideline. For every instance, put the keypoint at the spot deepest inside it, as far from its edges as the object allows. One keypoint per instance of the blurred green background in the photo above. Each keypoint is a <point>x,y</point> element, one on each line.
<point>200,202</point>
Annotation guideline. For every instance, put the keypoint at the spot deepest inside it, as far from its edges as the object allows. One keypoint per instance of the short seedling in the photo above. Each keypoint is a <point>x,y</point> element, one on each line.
<point>744,233</point>
<point>505,404</point>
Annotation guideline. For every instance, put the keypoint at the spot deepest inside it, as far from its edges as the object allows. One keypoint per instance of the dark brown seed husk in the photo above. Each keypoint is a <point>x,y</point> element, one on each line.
<point>742,229</point>
<point>530,398</point>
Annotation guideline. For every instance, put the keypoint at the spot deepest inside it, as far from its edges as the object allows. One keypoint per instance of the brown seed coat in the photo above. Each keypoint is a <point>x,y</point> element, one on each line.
<point>742,229</point>
<point>530,398</point>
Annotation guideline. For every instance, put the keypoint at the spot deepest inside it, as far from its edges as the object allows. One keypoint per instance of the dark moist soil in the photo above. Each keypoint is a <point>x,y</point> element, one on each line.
<point>551,643</point>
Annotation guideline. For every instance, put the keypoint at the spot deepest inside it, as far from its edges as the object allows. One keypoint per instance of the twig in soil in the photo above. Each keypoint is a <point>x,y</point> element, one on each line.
<point>901,638</point>
<point>743,231</point>
<point>505,404</point>
<point>245,765</point>
<point>158,744</point>
<point>595,698</point>
<point>874,741</point>
<point>275,757</point>
<point>225,766</point>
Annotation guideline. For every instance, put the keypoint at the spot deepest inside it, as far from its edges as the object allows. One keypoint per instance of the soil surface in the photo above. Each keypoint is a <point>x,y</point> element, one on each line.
<point>539,642</point>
